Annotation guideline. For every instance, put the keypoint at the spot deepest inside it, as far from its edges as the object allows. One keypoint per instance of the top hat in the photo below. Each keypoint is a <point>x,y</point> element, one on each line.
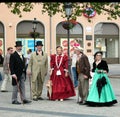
<point>39,43</point>
<point>18,43</point>
<point>79,48</point>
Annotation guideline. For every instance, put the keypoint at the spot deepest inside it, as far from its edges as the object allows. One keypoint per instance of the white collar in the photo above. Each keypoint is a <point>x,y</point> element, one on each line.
<point>20,53</point>
<point>57,61</point>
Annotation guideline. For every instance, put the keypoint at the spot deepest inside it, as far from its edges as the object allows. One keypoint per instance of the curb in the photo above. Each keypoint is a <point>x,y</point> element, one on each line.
<point>114,76</point>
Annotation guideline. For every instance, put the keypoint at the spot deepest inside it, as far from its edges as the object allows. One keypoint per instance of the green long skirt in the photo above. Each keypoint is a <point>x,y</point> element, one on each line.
<point>107,96</point>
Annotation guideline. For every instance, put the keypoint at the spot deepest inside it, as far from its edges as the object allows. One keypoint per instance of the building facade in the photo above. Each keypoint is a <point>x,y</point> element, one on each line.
<point>99,34</point>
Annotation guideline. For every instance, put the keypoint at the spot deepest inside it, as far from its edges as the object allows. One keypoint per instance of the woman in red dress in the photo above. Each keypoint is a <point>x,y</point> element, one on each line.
<point>62,85</point>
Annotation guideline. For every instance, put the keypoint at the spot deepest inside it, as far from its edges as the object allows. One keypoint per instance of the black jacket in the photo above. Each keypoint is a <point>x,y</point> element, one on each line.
<point>102,66</point>
<point>17,66</point>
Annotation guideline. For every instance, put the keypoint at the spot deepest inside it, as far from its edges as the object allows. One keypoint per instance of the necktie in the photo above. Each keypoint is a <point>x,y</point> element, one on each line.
<point>21,57</point>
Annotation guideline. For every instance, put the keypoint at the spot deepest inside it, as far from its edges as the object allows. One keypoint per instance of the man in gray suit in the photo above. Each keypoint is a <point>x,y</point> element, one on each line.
<point>6,70</point>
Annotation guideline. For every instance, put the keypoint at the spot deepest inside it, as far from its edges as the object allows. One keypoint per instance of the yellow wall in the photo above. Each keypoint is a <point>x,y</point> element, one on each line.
<point>10,22</point>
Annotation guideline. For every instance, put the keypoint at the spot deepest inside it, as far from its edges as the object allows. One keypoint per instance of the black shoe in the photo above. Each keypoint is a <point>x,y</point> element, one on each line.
<point>4,91</point>
<point>35,99</point>
<point>26,101</point>
<point>16,102</point>
<point>40,98</point>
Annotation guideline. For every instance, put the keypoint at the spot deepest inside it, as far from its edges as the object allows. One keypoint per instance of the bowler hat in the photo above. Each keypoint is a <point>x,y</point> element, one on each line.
<point>39,43</point>
<point>18,43</point>
<point>98,52</point>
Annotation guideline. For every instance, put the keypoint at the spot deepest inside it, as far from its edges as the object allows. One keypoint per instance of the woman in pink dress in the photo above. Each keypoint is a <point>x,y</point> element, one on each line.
<point>62,85</point>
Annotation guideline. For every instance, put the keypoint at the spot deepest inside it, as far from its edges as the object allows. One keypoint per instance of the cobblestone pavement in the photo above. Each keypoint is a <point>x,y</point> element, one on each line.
<point>67,108</point>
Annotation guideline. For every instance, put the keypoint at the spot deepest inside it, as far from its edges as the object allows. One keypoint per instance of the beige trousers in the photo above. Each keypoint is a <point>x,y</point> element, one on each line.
<point>37,87</point>
<point>7,77</point>
<point>83,87</point>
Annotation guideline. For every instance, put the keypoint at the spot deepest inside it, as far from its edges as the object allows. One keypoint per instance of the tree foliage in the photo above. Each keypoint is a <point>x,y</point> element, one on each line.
<point>112,9</point>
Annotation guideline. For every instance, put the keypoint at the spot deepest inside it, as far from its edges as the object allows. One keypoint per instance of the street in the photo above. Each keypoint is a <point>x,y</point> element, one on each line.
<point>67,108</point>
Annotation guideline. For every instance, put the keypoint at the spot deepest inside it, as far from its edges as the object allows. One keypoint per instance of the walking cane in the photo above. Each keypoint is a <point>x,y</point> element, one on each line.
<point>78,96</point>
<point>30,86</point>
<point>19,90</point>
<point>78,93</point>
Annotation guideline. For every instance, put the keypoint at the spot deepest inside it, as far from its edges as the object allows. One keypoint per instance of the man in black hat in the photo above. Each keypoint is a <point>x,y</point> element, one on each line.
<point>17,68</point>
<point>38,67</point>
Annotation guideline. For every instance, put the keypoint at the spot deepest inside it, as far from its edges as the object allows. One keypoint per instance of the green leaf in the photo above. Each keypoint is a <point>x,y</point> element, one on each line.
<point>52,8</point>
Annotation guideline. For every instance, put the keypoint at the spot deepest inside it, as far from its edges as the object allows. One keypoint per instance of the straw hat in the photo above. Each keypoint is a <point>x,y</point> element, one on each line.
<point>79,48</point>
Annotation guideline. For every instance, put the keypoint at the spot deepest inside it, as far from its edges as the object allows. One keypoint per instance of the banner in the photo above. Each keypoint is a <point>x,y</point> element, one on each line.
<point>64,44</point>
<point>1,45</point>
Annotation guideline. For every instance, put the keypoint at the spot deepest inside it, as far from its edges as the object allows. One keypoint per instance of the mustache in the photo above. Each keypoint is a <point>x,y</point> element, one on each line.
<point>20,49</point>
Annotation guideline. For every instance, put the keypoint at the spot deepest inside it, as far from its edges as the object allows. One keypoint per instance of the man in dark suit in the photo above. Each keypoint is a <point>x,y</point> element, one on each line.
<point>17,68</point>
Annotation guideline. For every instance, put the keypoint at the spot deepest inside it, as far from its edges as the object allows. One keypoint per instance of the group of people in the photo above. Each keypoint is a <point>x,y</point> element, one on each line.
<point>60,85</point>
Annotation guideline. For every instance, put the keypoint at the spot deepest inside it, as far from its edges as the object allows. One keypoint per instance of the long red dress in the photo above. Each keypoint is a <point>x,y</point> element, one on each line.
<point>62,87</point>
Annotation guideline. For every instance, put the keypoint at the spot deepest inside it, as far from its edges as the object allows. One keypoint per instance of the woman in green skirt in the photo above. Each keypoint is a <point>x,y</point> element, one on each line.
<point>101,92</point>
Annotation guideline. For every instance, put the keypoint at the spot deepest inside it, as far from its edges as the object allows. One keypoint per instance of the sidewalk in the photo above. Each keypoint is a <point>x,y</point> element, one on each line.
<point>67,108</point>
<point>114,70</point>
